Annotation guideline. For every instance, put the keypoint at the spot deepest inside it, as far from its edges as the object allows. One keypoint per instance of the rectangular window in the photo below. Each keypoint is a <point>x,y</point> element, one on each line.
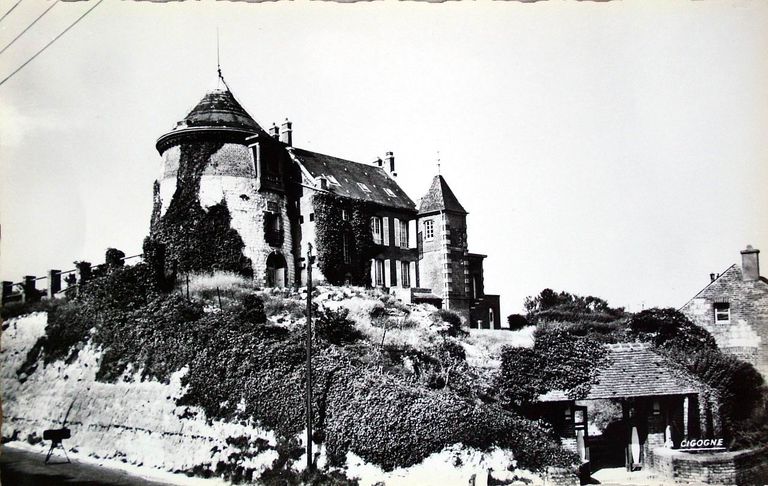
<point>363,187</point>
<point>311,216</point>
<point>344,215</point>
<point>405,273</point>
<point>378,273</point>
<point>345,248</point>
<point>429,229</point>
<point>301,219</point>
<point>333,180</point>
<point>403,234</point>
<point>396,230</point>
<point>376,229</point>
<point>722,313</point>
<point>389,192</point>
<point>385,231</point>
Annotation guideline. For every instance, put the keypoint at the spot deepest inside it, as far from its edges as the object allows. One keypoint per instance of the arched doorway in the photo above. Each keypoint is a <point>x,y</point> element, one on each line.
<point>276,271</point>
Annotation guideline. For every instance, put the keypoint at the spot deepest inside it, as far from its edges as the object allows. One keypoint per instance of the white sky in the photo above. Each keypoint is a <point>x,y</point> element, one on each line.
<point>614,149</point>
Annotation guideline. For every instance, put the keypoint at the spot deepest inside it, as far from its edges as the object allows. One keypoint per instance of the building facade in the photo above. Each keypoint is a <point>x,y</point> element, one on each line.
<point>218,159</point>
<point>733,307</point>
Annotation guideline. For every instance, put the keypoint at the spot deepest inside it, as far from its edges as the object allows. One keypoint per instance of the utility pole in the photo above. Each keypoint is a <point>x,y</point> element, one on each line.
<point>310,260</point>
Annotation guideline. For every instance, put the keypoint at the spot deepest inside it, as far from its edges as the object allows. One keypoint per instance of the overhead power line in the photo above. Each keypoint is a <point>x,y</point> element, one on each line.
<point>29,26</point>
<point>51,42</point>
<point>10,10</point>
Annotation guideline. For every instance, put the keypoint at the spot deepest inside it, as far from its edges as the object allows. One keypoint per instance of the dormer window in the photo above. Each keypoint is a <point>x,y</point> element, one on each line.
<point>722,313</point>
<point>364,187</point>
<point>332,180</point>
<point>389,192</point>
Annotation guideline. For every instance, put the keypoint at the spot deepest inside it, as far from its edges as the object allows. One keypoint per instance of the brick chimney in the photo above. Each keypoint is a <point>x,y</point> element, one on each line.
<point>390,158</point>
<point>378,162</point>
<point>274,132</point>
<point>286,133</point>
<point>750,264</point>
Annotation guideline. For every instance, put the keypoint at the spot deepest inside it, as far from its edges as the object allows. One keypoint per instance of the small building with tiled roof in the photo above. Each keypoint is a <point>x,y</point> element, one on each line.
<point>733,307</point>
<point>282,200</point>
<point>657,404</point>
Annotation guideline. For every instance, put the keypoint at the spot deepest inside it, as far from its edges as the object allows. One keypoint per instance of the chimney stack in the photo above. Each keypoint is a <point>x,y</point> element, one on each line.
<point>750,264</point>
<point>286,133</point>
<point>390,158</point>
<point>712,277</point>
<point>274,132</point>
<point>378,162</point>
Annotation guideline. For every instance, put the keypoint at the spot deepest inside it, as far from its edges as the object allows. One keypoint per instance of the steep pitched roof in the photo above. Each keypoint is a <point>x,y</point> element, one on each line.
<point>634,370</point>
<point>345,178</point>
<point>440,197</point>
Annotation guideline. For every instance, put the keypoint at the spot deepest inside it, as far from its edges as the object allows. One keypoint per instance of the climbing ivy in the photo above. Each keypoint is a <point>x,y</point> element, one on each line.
<point>330,229</point>
<point>195,238</point>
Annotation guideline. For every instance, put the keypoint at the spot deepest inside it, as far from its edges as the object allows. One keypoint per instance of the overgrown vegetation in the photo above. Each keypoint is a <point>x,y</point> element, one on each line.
<point>558,360</point>
<point>392,405</point>
<point>566,307</point>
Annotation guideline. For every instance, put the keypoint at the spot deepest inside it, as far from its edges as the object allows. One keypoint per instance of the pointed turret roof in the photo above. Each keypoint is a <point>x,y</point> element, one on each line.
<point>217,111</point>
<point>219,108</point>
<point>440,197</point>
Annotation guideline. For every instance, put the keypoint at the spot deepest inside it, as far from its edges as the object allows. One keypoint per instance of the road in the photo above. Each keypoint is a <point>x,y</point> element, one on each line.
<point>23,468</point>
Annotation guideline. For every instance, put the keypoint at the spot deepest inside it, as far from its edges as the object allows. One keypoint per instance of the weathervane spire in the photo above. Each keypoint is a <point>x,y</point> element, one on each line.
<point>218,60</point>
<point>438,162</point>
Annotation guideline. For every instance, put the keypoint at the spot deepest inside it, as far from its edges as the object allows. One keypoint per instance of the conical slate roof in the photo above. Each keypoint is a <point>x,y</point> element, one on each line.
<point>440,197</point>
<point>219,108</point>
<point>218,111</point>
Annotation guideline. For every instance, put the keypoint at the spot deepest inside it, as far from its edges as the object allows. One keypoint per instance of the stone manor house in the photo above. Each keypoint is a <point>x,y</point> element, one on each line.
<point>420,252</point>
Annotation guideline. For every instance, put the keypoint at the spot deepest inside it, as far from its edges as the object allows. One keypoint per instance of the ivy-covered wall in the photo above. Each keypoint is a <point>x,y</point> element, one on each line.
<point>330,228</point>
<point>195,238</point>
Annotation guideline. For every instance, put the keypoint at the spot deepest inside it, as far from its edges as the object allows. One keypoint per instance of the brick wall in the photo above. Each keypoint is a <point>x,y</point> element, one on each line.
<point>741,467</point>
<point>746,334</point>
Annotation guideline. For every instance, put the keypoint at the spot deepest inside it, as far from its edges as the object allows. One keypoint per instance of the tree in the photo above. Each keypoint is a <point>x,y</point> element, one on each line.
<point>670,329</point>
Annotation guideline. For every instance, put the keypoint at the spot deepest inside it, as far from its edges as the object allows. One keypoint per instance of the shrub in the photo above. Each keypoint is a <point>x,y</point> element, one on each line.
<point>396,425</point>
<point>448,323</point>
<point>114,258</point>
<point>253,309</point>
<point>334,326</point>
<point>517,321</point>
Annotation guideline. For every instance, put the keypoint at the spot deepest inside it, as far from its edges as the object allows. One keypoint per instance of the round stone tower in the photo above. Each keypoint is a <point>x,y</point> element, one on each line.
<point>218,159</point>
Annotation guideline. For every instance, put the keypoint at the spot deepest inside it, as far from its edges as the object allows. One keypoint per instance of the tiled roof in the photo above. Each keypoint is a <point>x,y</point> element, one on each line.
<point>350,175</point>
<point>219,108</point>
<point>440,197</point>
<point>634,370</point>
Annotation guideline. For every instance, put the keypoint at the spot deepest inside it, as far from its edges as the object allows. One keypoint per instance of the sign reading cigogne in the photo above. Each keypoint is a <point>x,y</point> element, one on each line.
<point>702,444</point>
